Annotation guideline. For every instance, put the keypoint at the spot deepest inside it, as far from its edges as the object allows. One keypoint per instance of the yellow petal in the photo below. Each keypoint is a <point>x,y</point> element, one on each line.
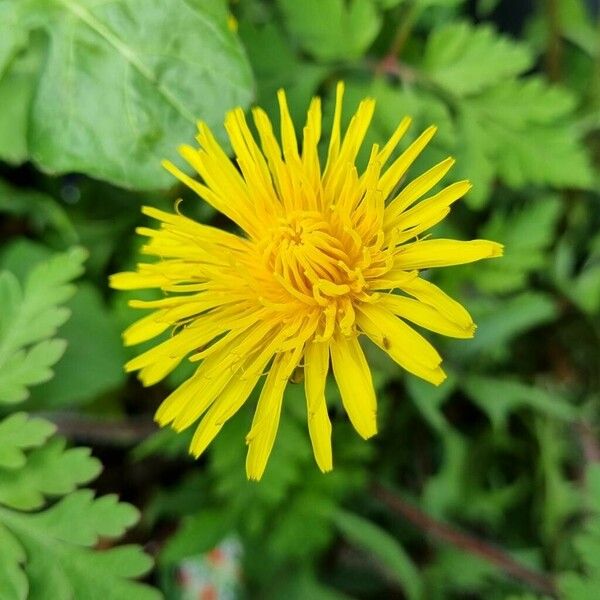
<point>427,292</point>
<point>417,188</point>
<point>136,281</point>
<point>227,404</point>
<point>398,168</point>
<point>146,328</point>
<point>426,316</point>
<point>334,142</point>
<point>288,133</point>
<point>430,207</point>
<point>443,253</point>
<point>316,366</point>
<point>409,349</point>
<point>159,370</point>
<point>390,145</point>
<point>353,378</point>
<point>261,437</point>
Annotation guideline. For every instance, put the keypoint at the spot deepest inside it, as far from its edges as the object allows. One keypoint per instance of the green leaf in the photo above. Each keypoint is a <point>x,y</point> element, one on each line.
<point>385,548</point>
<point>430,399</point>
<point>526,234</point>
<point>47,554</point>
<point>14,582</point>
<point>498,397</point>
<point>341,31</point>
<point>50,470</point>
<point>124,83</point>
<point>29,317</point>
<point>276,66</point>
<point>197,533</point>
<point>14,35</point>
<point>582,287</point>
<point>93,338</point>
<point>41,210</point>
<point>17,87</point>
<point>465,59</point>
<point>61,570</point>
<point>498,322</point>
<point>518,122</point>
<point>80,519</point>
<point>577,586</point>
<point>18,433</point>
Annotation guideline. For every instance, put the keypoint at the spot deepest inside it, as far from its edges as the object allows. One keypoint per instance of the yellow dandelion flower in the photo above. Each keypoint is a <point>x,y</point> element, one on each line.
<point>323,257</point>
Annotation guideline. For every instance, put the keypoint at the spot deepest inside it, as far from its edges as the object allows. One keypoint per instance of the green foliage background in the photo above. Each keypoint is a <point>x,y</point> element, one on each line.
<point>92,95</point>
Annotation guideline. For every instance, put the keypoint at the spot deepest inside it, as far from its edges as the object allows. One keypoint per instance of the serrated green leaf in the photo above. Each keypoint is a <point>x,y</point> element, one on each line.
<point>30,316</point>
<point>518,122</point>
<point>342,31</point>
<point>14,585</point>
<point>81,519</point>
<point>26,368</point>
<point>375,540</point>
<point>63,571</point>
<point>93,338</point>
<point>124,83</point>
<point>49,470</point>
<point>19,432</point>
<point>526,234</point>
<point>44,553</point>
<point>465,59</point>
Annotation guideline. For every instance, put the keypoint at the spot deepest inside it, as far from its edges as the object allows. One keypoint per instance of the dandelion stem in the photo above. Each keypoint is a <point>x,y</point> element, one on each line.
<point>465,542</point>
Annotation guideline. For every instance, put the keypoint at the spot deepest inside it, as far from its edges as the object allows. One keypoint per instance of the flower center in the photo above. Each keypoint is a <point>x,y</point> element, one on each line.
<point>313,258</point>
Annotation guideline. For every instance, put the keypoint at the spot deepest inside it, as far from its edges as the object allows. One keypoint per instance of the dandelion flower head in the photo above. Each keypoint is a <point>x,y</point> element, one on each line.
<point>323,255</point>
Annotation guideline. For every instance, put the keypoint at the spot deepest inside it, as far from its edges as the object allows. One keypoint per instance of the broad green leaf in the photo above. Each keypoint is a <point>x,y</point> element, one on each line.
<point>386,549</point>
<point>18,432</point>
<point>14,35</point>
<point>29,317</point>
<point>342,31</point>
<point>17,87</point>
<point>50,470</point>
<point>124,83</point>
<point>464,59</point>
<point>498,397</point>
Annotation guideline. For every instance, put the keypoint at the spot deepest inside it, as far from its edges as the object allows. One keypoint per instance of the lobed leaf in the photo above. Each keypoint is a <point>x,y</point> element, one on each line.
<point>466,59</point>
<point>30,316</point>
<point>19,432</point>
<point>50,470</point>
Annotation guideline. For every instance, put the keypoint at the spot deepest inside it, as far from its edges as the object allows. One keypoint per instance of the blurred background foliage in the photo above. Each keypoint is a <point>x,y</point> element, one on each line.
<point>486,487</point>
